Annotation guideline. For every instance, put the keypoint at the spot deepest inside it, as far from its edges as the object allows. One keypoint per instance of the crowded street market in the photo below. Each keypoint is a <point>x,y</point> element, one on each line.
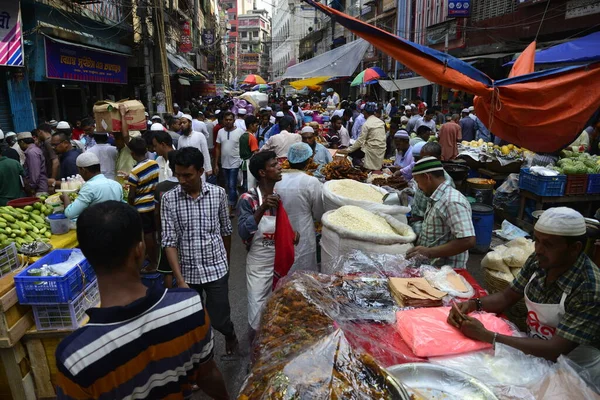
<point>307,237</point>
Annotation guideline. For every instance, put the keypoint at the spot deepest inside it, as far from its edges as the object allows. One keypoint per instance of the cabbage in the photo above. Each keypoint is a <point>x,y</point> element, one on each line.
<point>570,169</point>
<point>566,153</point>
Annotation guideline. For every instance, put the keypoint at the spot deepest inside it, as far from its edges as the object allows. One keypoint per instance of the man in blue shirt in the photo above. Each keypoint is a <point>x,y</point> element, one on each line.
<point>96,189</point>
<point>467,126</point>
<point>67,153</point>
<point>321,155</point>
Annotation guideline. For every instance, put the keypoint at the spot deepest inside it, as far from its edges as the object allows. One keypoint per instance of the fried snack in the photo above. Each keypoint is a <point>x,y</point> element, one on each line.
<point>396,182</point>
<point>301,354</point>
<point>343,169</point>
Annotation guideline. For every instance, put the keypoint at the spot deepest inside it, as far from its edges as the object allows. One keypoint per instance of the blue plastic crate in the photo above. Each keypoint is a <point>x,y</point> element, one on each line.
<point>542,185</point>
<point>53,289</point>
<point>593,186</point>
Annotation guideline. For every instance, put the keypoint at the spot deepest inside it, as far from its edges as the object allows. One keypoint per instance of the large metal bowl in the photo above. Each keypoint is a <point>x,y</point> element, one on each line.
<point>437,382</point>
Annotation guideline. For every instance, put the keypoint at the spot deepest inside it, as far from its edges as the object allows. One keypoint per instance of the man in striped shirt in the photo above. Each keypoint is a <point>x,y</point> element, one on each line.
<point>142,184</point>
<point>142,343</point>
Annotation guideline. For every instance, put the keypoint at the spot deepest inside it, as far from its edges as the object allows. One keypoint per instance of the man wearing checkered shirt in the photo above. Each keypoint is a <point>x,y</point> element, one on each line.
<point>447,232</point>
<point>196,235</point>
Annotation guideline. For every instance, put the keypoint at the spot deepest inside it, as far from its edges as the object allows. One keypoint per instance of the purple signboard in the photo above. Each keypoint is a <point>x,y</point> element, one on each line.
<point>76,63</point>
<point>459,8</point>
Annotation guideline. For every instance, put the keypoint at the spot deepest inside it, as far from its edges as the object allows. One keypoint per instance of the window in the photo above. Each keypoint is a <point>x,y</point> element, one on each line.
<point>233,29</point>
<point>485,9</point>
<point>255,34</point>
<point>244,47</point>
<point>244,34</point>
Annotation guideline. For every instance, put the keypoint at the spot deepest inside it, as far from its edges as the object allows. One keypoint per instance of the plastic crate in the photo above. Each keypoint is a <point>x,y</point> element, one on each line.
<point>53,289</point>
<point>542,185</point>
<point>576,184</point>
<point>153,279</point>
<point>8,259</point>
<point>593,186</point>
<point>69,315</point>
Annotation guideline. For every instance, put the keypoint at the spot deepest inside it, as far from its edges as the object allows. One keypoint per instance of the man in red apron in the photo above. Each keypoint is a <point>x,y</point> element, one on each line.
<point>561,288</point>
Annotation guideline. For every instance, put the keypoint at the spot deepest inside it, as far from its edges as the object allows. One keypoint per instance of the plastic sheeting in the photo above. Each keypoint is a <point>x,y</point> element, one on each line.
<point>302,83</point>
<point>403,84</point>
<point>583,49</point>
<point>341,61</point>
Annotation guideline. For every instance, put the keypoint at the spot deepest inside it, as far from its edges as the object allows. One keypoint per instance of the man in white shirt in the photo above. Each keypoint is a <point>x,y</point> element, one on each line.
<point>163,145</point>
<point>191,138</point>
<point>210,121</point>
<point>239,122</point>
<point>198,124</point>
<point>176,112</point>
<point>427,121</point>
<point>281,142</point>
<point>106,153</point>
<point>227,150</point>
<point>333,99</point>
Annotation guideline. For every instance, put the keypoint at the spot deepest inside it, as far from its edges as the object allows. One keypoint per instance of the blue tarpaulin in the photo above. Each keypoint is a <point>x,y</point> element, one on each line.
<point>583,49</point>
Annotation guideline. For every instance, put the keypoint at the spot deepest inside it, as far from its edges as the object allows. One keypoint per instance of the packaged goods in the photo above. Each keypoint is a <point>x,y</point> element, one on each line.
<point>355,219</point>
<point>415,292</point>
<point>108,117</point>
<point>355,190</point>
<point>495,261</point>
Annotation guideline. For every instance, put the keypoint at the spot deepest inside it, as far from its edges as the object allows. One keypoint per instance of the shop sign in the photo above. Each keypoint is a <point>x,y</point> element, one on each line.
<point>185,39</point>
<point>581,8</point>
<point>459,8</point>
<point>11,39</point>
<point>76,63</point>
<point>435,35</point>
<point>208,37</point>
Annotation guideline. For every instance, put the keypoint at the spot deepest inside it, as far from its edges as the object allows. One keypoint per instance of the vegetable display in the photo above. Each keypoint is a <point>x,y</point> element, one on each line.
<point>24,225</point>
<point>577,163</point>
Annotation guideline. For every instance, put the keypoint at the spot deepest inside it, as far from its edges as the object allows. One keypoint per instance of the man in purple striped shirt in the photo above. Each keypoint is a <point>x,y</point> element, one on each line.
<point>35,164</point>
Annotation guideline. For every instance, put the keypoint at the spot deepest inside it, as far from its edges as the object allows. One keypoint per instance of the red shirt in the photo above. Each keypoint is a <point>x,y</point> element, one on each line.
<point>77,132</point>
<point>216,130</point>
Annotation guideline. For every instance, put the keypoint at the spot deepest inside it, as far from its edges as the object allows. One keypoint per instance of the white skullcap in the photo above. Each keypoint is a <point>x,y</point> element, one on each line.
<point>187,116</point>
<point>1,134</point>
<point>24,135</point>
<point>134,134</point>
<point>156,117</point>
<point>412,105</point>
<point>268,109</point>
<point>561,221</point>
<point>9,134</point>
<point>217,112</point>
<point>279,114</point>
<point>63,125</point>
<point>407,108</point>
<point>362,106</point>
<point>401,134</point>
<point>242,111</point>
<point>157,127</point>
<point>307,129</point>
<point>471,108</point>
<point>175,105</point>
<point>465,110</point>
<point>146,113</point>
<point>87,159</point>
<point>289,103</point>
<point>425,104</point>
<point>404,119</point>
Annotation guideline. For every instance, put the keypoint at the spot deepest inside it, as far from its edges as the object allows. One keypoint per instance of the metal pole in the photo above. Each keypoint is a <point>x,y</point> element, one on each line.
<point>147,76</point>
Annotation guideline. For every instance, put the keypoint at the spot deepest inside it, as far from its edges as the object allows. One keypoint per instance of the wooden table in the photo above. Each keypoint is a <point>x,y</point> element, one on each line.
<point>541,201</point>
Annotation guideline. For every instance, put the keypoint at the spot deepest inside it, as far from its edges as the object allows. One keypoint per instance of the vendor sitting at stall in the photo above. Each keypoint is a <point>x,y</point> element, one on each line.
<point>404,155</point>
<point>371,141</point>
<point>447,232</point>
<point>321,155</point>
<point>96,189</point>
<point>423,134</point>
<point>561,288</point>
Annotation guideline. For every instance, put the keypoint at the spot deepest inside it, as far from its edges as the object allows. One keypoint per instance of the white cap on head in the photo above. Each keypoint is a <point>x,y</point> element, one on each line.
<point>242,111</point>
<point>63,125</point>
<point>53,123</point>
<point>175,105</point>
<point>9,134</point>
<point>471,108</point>
<point>561,221</point>
<point>412,105</point>
<point>87,159</point>
<point>329,90</point>
<point>134,134</point>
<point>362,106</point>
<point>157,127</point>
<point>187,116</point>
<point>289,103</point>
<point>279,114</point>
<point>156,117</point>
<point>217,112</point>
<point>308,129</point>
<point>425,104</point>
<point>1,135</point>
<point>268,109</point>
<point>465,111</point>
<point>24,135</point>
<point>407,108</point>
<point>146,113</point>
<point>404,119</point>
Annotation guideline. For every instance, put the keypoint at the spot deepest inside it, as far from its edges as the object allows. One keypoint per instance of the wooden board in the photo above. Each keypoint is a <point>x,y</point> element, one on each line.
<point>40,367</point>
<point>15,319</point>
<point>16,379</point>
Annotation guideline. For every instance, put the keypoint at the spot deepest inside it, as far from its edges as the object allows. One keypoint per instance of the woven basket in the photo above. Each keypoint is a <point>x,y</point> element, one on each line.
<point>516,314</point>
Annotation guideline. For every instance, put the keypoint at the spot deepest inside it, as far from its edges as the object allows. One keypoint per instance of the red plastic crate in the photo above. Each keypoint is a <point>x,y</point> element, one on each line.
<point>576,184</point>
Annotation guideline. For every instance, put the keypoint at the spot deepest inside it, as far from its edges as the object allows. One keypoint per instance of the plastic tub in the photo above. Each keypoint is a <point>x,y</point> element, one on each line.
<point>59,223</point>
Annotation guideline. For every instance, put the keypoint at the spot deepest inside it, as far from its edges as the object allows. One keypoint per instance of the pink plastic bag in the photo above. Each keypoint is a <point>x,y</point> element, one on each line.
<point>427,333</point>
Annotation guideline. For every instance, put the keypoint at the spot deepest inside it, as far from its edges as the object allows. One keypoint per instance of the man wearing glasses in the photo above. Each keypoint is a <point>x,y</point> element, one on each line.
<point>67,154</point>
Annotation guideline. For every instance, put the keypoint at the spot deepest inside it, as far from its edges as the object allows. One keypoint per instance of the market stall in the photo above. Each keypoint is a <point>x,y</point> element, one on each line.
<point>326,335</point>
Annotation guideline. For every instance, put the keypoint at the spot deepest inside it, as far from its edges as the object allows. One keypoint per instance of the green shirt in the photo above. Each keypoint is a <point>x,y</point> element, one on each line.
<point>581,322</point>
<point>125,161</point>
<point>11,172</point>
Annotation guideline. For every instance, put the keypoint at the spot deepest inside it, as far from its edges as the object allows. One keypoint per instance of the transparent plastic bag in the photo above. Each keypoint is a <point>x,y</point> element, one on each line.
<point>438,278</point>
<point>301,352</point>
<point>563,382</point>
<point>368,263</point>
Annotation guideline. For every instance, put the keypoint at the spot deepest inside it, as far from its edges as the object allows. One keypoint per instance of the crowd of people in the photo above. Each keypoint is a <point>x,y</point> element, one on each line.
<point>189,175</point>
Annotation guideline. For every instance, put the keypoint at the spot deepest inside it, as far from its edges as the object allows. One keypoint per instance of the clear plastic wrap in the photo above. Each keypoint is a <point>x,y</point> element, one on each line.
<point>562,383</point>
<point>447,280</point>
<point>369,264</point>
<point>427,333</point>
<point>301,352</point>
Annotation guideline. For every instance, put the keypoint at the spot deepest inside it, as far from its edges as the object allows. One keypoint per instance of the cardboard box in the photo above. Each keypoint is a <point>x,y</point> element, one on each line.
<point>108,117</point>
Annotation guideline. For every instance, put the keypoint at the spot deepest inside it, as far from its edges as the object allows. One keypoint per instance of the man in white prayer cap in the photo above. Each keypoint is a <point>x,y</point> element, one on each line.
<point>404,154</point>
<point>561,288</point>
<point>240,122</point>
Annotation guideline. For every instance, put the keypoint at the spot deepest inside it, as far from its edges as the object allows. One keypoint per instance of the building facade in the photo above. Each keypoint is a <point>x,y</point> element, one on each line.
<point>254,34</point>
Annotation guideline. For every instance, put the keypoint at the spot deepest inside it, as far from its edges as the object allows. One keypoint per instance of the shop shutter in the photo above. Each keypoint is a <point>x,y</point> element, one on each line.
<point>5,114</point>
<point>20,101</point>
